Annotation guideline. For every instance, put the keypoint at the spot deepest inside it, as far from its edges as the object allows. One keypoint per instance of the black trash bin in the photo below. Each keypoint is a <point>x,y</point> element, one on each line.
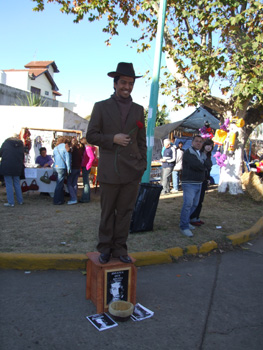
<point>145,207</point>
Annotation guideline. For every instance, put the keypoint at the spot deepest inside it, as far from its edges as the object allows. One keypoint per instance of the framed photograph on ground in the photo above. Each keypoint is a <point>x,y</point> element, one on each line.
<point>117,285</point>
<point>102,321</point>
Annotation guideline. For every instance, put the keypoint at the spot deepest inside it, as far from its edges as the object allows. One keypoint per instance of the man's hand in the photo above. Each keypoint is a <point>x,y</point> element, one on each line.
<point>121,139</point>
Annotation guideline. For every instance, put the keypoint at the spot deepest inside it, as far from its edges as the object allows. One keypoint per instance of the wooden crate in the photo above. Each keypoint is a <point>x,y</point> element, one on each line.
<point>104,281</point>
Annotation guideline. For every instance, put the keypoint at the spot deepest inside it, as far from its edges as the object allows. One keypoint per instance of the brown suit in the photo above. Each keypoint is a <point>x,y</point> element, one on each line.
<point>119,172</point>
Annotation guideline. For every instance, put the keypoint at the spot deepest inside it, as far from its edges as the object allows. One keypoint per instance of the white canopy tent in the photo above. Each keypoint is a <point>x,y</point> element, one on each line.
<point>194,121</point>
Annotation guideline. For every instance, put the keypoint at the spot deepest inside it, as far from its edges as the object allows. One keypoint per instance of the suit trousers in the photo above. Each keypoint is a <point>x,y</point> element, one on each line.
<point>117,204</point>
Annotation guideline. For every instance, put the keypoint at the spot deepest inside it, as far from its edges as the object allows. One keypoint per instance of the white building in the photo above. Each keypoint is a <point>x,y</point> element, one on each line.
<point>38,78</point>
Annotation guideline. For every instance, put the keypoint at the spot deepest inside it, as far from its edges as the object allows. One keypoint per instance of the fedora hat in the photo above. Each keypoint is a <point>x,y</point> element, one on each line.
<point>126,69</point>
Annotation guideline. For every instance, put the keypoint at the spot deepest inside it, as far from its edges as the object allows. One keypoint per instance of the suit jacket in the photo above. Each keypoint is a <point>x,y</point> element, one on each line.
<point>117,164</point>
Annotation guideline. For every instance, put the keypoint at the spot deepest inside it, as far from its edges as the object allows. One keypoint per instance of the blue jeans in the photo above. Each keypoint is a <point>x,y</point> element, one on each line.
<point>191,195</point>
<point>175,176</point>
<point>86,189</point>
<point>73,184</point>
<point>59,190</point>
<point>11,181</point>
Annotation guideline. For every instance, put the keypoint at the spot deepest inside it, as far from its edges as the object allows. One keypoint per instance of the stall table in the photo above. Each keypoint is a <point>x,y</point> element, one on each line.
<point>35,174</point>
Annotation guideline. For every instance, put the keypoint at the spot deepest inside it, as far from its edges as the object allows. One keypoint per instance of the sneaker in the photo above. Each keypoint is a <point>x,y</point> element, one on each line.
<point>191,227</point>
<point>200,222</point>
<point>186,232</point>
<point>72,202</point>
<point>174,191</point>
<point>8,205</point>
<point>21,203</point>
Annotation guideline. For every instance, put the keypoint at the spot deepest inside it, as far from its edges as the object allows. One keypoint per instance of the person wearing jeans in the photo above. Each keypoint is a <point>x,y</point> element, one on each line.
<point>62,166</point>
<point>12,164</point>
<point>191,194</point>
<point>72,181</point>
<point>10,182</point>
<point>168,162</point>
<point>178,167</point>
<point>195,164</point>
<point>195,215</point>
<point>58,198</point>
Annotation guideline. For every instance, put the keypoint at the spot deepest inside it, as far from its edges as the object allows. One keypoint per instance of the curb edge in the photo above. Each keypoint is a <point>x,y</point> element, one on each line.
<point>30,261</point>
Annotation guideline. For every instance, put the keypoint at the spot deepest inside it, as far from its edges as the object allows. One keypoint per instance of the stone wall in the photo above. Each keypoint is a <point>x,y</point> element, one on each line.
<point>10,96</point>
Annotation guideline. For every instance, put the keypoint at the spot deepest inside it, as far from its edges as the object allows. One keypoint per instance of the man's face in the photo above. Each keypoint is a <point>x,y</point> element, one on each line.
<point>43,153</point>
<point>115,289</point>
<point>180,145</point>
<point>124,86</point>
<point>197,143</point>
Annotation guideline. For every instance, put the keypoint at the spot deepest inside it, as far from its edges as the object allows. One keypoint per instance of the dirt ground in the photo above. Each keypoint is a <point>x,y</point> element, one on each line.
<point>40,227</point>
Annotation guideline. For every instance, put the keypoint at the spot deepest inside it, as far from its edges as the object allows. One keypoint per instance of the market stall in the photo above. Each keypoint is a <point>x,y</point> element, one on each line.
<point>33,176</point>
<point>35,138</point>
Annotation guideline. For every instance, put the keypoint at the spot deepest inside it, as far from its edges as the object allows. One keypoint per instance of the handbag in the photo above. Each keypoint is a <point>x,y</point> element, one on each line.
<point>54,176</point>
<point>44,178</point>
<point>24,186</point>
<point>33,186</point>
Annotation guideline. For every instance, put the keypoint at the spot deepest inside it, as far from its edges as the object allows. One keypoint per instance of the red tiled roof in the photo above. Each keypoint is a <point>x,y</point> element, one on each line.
<point>42,64</point>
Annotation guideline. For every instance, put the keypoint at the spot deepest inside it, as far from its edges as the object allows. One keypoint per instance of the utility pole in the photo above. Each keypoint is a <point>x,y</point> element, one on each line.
<point>154,90</point>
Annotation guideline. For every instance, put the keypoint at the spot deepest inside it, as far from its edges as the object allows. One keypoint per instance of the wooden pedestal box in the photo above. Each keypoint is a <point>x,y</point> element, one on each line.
<point>109,282</point>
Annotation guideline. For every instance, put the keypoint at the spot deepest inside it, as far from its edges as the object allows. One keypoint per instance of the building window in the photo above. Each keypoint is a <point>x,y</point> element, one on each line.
<point>46,93</point>
<point>35,90</point>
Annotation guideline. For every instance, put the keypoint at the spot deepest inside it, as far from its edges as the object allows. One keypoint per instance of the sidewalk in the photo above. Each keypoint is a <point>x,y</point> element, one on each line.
<point>206,304</point>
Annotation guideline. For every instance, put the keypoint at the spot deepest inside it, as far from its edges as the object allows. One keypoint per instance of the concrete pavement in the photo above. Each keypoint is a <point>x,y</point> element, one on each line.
<point>212,303</point>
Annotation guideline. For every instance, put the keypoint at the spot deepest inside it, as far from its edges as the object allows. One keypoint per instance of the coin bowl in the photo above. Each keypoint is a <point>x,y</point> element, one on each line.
<point>121,310</point>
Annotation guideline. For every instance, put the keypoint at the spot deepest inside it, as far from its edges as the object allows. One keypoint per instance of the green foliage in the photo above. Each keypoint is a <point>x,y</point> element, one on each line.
<point>32,100</point>
<point>210,41</point>
<point>161,116</point>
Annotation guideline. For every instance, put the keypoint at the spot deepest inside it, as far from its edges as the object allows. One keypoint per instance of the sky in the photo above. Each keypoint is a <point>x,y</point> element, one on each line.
<point>79,51</point>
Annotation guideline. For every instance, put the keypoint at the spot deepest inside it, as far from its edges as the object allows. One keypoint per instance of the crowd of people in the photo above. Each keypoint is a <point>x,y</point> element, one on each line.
<point>117,127</point>
<point>70,158</point>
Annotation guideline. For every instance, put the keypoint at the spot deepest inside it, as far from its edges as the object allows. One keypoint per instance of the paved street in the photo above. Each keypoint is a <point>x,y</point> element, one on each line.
<point>210,304</point>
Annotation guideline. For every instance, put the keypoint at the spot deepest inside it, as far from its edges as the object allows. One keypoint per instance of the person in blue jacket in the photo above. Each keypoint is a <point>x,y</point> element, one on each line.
<point>62,165</point>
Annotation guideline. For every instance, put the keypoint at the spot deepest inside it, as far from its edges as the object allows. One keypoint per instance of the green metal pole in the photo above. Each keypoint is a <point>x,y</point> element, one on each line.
<point>154,90</point>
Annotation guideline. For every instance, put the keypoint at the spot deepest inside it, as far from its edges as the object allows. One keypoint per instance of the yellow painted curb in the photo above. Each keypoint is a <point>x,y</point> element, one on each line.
<point>43,261</point>
<point>245,236</point>
<point>175,252</point>
<point>151,258</point>
<point>191,250</point>
<point>78,261</point>
<point>207,247</point>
